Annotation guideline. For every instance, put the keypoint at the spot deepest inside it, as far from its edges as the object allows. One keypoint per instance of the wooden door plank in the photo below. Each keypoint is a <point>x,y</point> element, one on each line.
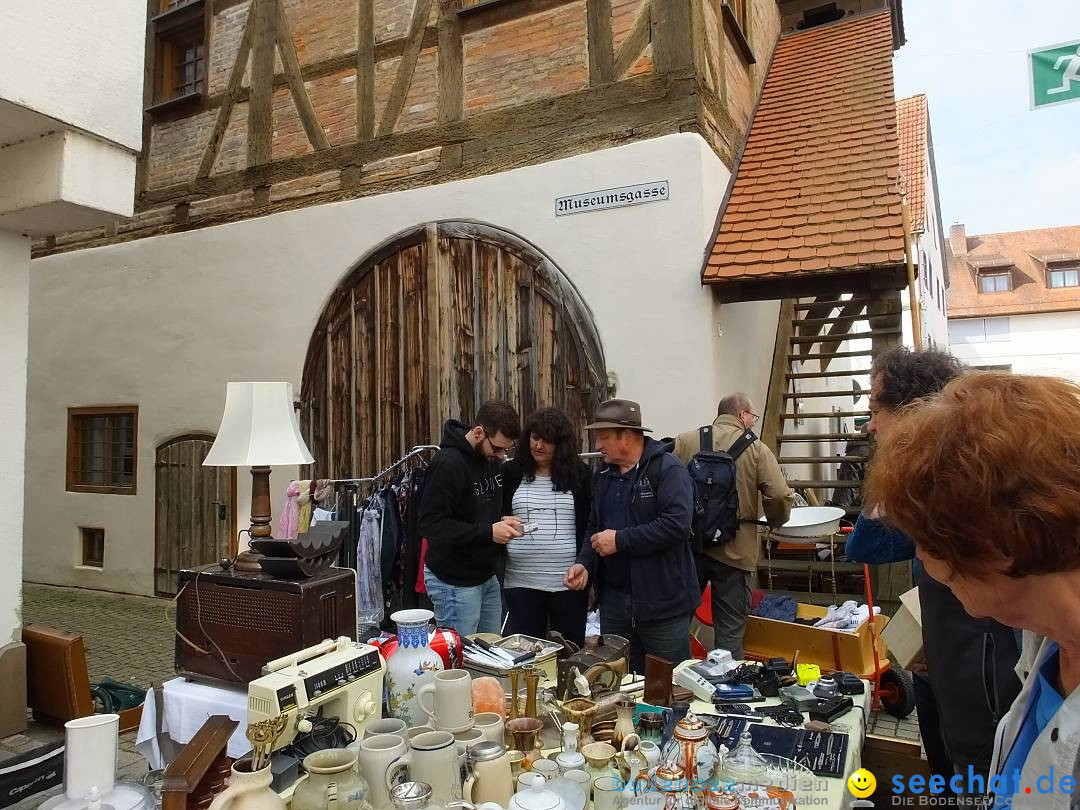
<point>415,389</point>
<point>231,91</point>
<point>293,75</point>
<point>436,327</point>
<point>407,67</point>
<point>601,55</point>
<point>464,329</point>
<point>161,525</point>
<point>176,526</point>
<point>261,99</point>
<point>364,360</point>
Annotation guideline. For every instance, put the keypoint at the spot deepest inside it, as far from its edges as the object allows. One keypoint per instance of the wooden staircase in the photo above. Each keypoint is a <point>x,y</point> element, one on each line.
<point>818,389</point>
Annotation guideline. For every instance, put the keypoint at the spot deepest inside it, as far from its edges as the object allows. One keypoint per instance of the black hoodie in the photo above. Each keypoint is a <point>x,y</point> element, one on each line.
<point>462,499</point>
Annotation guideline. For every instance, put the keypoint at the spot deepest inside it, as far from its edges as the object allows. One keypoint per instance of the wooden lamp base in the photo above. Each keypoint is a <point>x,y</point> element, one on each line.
<point>247,561</point>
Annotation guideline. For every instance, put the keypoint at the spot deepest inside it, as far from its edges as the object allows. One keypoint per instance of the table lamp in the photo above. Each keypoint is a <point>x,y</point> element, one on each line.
<point>258,430</point>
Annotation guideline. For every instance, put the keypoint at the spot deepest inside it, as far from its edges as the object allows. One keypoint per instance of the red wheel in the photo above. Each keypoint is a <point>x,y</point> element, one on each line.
<point>897,692</point>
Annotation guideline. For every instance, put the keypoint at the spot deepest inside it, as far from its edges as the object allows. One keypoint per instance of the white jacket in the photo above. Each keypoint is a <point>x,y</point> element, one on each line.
<point>1056,748</point>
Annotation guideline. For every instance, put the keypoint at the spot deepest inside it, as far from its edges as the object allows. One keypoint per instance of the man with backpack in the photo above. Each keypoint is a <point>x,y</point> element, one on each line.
<point>726,543</point>
<point>637,541</point>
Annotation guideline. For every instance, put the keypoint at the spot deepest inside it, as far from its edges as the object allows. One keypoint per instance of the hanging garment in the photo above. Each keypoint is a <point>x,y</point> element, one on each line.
<point>369,594</point>
<point>304,500</point>
<point>288,523</point>
<point>320,515</point>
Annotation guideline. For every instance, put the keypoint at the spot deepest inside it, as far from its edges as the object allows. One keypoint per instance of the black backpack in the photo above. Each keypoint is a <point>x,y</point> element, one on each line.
<point>716,498</point>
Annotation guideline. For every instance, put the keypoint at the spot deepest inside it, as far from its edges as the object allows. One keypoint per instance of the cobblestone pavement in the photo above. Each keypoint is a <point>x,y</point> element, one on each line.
<point>128,638</point>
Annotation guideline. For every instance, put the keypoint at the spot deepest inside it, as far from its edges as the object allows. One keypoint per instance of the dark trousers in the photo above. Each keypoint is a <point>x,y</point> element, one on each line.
<point>731,592</point>
<point>937,755</point>
<point>667,638</point>
<point>533,612</point>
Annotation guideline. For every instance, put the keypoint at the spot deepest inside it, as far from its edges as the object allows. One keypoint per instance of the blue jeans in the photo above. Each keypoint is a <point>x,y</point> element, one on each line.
<point>476,609</point>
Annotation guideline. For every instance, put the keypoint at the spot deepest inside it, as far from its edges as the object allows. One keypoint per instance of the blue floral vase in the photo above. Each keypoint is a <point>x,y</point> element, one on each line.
<point>412,664</point>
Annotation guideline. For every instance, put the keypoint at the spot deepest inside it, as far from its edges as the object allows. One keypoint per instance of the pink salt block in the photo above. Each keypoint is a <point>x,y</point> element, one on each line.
<point>488,695</point>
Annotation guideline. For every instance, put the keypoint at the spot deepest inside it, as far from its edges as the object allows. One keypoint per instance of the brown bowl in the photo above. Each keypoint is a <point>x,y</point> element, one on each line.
<point>603,732</point>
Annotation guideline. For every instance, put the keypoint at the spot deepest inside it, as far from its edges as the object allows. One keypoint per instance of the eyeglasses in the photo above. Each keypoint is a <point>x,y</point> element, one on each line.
<point>756,417</point>
<point>496,449</point>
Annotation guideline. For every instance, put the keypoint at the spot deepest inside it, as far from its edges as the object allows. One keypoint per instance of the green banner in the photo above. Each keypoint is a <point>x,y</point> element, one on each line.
<point>1054,74</point>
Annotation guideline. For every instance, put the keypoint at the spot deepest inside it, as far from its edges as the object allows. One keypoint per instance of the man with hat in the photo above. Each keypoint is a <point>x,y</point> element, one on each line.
<point>637,548</point>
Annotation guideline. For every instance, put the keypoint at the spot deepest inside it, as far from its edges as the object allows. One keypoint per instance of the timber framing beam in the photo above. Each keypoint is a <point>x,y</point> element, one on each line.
<point>633,101</point>
<point>635,42</point>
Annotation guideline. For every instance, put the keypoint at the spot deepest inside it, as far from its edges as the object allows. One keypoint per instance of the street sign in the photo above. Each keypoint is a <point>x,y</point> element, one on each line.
<point>1054,74</point>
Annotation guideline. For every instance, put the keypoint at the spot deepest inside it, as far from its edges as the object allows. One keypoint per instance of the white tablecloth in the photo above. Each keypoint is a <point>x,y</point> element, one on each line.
<point>187,706</point>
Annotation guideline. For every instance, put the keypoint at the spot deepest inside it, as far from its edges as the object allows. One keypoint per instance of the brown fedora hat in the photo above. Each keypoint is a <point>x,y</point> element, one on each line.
<point>618,413</point>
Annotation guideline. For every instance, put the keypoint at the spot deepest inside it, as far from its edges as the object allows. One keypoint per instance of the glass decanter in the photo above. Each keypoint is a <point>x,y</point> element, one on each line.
<point>744,765</point>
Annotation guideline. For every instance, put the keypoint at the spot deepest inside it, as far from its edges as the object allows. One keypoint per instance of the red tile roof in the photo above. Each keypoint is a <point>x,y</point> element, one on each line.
<point>1027,255</point>
<point>816,189</point>
<point>911,126</point>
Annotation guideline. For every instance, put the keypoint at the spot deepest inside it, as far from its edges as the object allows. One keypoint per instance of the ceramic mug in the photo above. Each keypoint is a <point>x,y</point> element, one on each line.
<point>582,780</point>
<point>416,731</point>
<point>468,737</point>
<point>447,700</point>
<point>599,755</point>
<point>384,761</point>
<point>547,768</point>
<point>609,793</point>
<point>516,760</point>
<point>437,761</point>
<point>387,725</point>
<point>492,725</point>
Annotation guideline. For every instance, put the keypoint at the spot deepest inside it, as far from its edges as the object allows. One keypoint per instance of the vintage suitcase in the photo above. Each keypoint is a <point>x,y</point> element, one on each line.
<point>604,649</point>
<point>58,685</point>
<point>230,624</point>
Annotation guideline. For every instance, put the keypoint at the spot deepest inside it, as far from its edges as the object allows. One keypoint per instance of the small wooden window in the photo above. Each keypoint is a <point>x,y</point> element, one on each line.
<point>995,282</point>
<point>93,546</point>
<point>179,52</point>
<point>102,449</point>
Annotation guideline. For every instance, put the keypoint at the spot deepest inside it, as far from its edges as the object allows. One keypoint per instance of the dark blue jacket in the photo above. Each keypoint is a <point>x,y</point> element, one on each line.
<point>970,661</point>
<point>657,541</point>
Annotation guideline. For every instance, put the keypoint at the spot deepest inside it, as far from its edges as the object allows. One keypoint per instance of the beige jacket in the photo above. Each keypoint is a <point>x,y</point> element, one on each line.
<point>761,485</point>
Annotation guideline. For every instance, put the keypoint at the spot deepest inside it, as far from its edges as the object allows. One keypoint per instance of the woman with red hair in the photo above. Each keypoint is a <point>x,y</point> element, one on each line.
<point>986,480</point>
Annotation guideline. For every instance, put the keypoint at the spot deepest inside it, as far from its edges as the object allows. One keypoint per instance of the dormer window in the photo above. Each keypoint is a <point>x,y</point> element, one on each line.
<point>995,281</point>
<point>1064,276</point>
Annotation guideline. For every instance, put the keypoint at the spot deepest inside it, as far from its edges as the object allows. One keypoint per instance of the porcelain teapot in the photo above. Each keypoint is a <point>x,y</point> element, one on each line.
<point>537,797</point>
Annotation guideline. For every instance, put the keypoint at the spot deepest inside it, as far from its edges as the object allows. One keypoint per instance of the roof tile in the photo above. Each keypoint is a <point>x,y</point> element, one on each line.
<point>817,188</point>
<point>912,125</point>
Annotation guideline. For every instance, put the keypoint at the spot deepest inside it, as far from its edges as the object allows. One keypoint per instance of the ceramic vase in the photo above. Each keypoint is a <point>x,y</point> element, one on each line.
<point>412,665</point>
<point>247,790</point>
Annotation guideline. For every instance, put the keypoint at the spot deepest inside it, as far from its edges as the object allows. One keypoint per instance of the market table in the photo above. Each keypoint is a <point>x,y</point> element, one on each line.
<point>186,706</point>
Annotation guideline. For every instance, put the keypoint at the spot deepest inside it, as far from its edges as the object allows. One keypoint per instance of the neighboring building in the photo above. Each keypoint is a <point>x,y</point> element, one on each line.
<point>1014,303</point>
<point>496,199</point>
<point>70,128</point>
<point>918,174</point>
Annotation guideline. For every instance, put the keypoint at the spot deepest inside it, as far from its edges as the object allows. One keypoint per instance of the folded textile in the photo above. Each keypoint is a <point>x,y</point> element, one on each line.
<point>782,608</point>
<point>848,616</point>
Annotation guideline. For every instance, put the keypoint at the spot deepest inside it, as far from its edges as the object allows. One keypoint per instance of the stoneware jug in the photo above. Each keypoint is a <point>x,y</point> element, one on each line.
<point>332,783</point>
<point>247,790</point>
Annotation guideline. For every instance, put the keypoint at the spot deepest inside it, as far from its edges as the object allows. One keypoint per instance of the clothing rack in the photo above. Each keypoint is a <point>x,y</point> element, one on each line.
<point>351,488</point>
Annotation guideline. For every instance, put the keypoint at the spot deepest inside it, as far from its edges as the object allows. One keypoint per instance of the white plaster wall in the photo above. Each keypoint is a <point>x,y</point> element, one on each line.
<point>164,323</point>
<point>1040,343</point>
<point>80,63</point>
<point>14,313</point>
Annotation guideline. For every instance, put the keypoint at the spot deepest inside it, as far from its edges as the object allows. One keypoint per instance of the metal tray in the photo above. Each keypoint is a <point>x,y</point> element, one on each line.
<point>549,651</point>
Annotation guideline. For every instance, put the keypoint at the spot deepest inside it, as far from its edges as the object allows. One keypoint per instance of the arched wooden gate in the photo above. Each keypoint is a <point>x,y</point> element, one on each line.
<point>430,325</point>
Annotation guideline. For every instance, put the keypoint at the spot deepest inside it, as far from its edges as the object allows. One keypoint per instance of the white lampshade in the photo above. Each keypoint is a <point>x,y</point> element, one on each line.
<point>258,428</point>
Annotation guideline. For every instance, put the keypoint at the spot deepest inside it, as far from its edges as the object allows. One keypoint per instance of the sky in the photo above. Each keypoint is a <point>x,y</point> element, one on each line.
<point>1001,166</point>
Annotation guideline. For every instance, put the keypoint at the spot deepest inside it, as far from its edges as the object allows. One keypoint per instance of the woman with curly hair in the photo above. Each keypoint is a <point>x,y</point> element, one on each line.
<point>547,485</point>
<point>985,479</point>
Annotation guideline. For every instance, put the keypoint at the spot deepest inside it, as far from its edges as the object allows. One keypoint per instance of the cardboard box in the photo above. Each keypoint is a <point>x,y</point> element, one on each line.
<point>903,634</point>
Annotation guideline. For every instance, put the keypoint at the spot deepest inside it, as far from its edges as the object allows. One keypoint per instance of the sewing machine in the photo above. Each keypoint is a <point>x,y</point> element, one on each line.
<point>342,678</point>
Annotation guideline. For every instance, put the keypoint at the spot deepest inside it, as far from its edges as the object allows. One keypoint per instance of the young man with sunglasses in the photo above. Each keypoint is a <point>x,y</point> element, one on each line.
<point>461,517</point>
